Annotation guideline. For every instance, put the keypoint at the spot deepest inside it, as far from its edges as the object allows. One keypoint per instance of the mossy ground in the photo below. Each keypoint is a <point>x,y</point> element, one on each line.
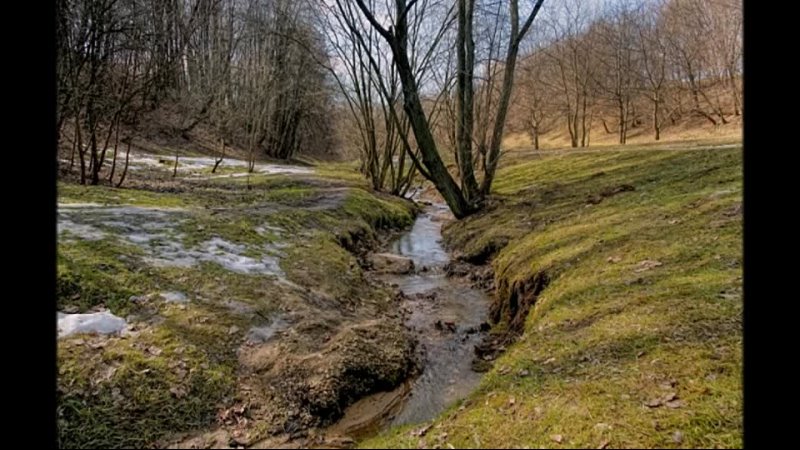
<point>177,366</point>
<point>616,352</point>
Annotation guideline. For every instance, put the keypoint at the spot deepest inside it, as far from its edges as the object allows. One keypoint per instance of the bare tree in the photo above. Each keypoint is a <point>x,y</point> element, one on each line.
<point>614,34</point>
<point>573,56</point>
<point>536,97</point>
<point>468,197</point>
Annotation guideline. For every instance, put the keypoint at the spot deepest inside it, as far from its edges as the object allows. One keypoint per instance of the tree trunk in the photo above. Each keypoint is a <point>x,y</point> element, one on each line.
<point>127,159</point>
<point>656,125</point>
<point>439,175</point>
<point>219,161</point>
<point>74,144</point>
<point>114,161</point>
<point>81,151</point>
<point>95,170</point>
<point>464,100</point>
<point>622,121</point>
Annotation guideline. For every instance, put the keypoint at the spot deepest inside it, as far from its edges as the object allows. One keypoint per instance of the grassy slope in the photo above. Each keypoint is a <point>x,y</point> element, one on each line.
<point>174,374</point>
<point>602,339</point>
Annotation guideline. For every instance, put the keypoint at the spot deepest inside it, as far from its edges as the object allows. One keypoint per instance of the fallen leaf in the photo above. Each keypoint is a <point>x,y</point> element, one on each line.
<point>654,403</point>
<point>550,360</point>
<point>614,259</point>
<point>647,264</point>
<point>602,427</point>
<point>178,391</point>
<point>419,432</point>
<point>557,438</point>
<point>670,397</point>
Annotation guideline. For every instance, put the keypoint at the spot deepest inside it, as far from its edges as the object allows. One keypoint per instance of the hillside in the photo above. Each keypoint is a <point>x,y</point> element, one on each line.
<point>631,264</point>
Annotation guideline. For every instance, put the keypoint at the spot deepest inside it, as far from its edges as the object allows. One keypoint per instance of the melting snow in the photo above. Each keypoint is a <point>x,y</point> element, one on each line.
<point>194,164</point>
<point>264,333</point>
<point>101,322</point>
<point>153,230</point>
<point>174,296</point>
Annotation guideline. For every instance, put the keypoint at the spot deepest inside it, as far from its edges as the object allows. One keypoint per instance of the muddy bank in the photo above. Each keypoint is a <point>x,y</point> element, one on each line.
<point>216,310</point>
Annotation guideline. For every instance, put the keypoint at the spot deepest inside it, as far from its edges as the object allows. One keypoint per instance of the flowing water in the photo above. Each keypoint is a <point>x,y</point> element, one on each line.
<point>445,315</point>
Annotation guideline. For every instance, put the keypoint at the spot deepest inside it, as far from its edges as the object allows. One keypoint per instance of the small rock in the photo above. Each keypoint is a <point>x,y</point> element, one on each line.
<point>556,438</point>
<point>233,330</point>
<point>614,259</point>
<point>674,404</point>
<point>524,373</point>
<point>677,437</point>
<point>389,263</point>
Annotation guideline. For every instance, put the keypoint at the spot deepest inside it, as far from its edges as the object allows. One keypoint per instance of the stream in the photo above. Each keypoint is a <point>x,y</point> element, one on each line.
<point>445,315</point>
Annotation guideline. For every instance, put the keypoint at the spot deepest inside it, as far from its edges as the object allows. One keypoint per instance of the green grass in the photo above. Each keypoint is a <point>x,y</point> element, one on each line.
<point>75,193</point>
<point>605,338</point>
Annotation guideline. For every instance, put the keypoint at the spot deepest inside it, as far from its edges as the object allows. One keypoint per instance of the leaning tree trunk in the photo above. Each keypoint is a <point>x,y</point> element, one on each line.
<point>412,106</point>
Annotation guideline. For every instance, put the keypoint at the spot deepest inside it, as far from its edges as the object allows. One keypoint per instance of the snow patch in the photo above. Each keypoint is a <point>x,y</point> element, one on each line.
<point>174,297</point>
<point>100,322</point>
<point>153,230</point>
<point>261,334</point>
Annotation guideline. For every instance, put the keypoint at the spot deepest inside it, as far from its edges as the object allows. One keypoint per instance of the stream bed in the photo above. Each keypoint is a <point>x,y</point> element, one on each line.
<point>446,315</point>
